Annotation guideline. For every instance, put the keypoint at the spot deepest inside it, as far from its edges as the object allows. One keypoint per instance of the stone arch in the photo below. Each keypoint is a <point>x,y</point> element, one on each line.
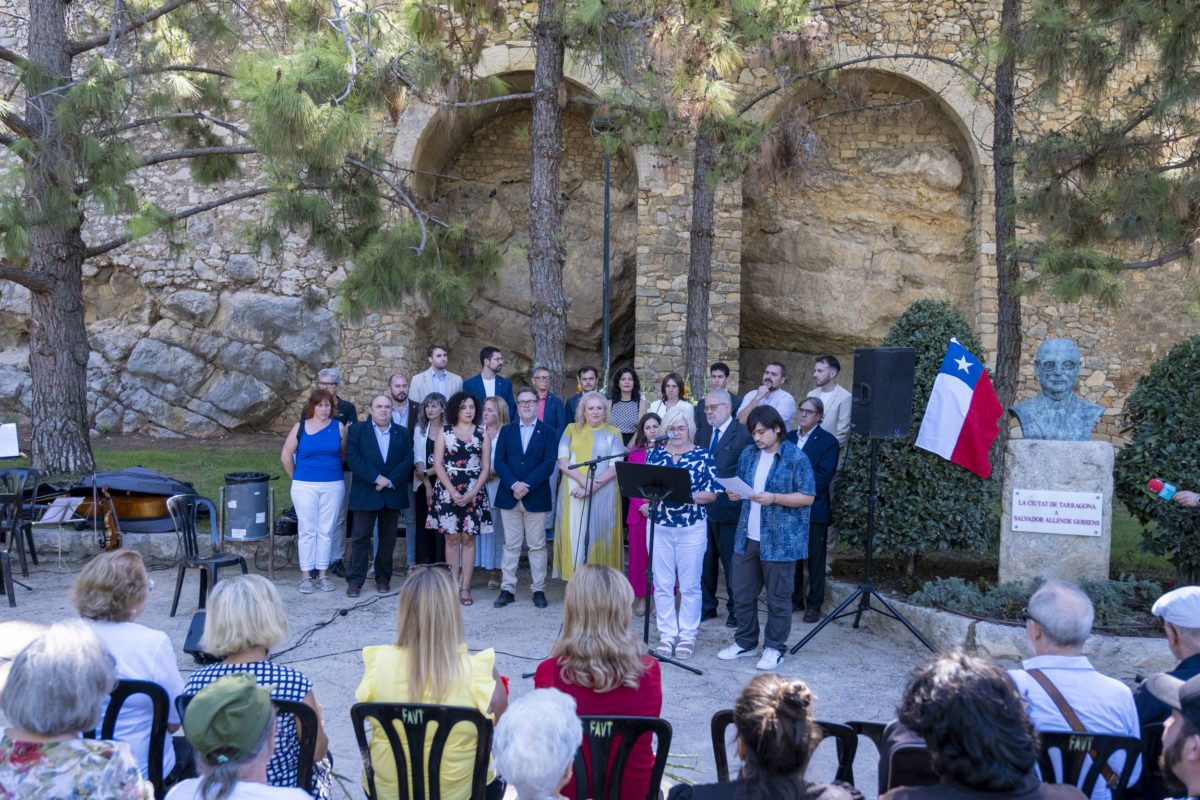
<point>479,169</point>
<point>896,208</point>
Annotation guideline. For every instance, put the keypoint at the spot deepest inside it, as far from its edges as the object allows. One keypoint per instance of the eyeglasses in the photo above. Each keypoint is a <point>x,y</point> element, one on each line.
<point>807,411</point>
<point>713,406</point>
<point>326,384</point>
<point>1027,617</point>
<point>678,429</point>
<point>541,377</point>
<point>527,402</point>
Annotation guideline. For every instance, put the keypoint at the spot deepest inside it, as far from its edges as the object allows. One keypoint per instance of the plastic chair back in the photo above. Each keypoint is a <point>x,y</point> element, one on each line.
<point>844,736</point>
<point>412,721</point>
<point>609,741</point>
<point>184,509</point>
<point>1074,750</point>
<point>161,706</point>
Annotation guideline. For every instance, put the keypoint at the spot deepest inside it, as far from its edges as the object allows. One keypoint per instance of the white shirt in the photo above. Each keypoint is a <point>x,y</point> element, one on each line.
<point>718,433</point>
<point>400,416</point>
<point>836,418</point>
<point>802,437</point>
<point>761,473</point>
<point>383,436</point>
<point>779,400</point>
<point>190,790</point>
<point>142,654</point>
<point>1103,704</point>
<point>489,387</point>
<point>527,434</point>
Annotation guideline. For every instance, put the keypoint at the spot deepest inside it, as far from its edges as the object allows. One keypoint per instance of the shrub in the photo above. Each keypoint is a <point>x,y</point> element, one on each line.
<point>925,502</point>
<point>1124,602</point>
<point>1162,420</point>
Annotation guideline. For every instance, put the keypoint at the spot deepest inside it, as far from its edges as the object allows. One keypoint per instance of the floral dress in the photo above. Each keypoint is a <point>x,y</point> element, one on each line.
<point>464,463</point>
<point>76,768</point>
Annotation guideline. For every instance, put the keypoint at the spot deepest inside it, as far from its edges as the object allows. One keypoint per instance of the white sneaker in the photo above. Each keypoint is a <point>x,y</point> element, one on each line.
<point>770,659</point>
<point>735,651</point>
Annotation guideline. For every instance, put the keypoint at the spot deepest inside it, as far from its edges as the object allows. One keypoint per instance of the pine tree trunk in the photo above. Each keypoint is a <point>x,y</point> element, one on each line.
<point>695,343</point>
<point>1008,327</point>
<point>547,255</point>
<point>58,343</point>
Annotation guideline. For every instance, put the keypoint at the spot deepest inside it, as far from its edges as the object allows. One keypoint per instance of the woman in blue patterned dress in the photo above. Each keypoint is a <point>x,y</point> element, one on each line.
<point>681,536</point>
<point>462,459</point>
<point>245,619</point>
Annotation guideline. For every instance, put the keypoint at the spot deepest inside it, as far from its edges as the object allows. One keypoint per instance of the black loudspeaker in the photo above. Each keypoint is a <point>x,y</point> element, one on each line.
<point>191,645</point>
<point>882,399</point>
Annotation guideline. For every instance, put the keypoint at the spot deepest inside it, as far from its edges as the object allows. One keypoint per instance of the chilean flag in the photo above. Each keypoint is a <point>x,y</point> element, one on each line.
<point>963,415</point>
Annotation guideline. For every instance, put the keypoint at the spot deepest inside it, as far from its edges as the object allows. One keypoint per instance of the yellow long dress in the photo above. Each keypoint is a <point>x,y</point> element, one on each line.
<point>603,536</point>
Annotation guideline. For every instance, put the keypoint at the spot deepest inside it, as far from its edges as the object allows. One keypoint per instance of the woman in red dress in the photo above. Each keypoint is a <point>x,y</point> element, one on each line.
<point>639,558</point>
<point>598,661</point>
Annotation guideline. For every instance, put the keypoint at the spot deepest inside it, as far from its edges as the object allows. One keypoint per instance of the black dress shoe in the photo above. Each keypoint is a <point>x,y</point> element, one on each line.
<point>710,614</point>
<point>731,621</point>
<point>353,591</point>
<point>539,599</point>
<point>504,598</point>
<point>383,586</point>
<point>338,568</point>
<point>812,615</point>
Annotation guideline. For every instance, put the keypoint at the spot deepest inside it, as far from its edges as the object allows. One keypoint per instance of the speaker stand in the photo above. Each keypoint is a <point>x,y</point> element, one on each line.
<point>866,590</point>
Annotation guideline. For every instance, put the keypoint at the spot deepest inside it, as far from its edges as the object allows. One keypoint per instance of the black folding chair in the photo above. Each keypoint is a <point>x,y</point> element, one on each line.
<point>306,728</point>
<point>161,706</point>
<point>1152,785</point>
<point>1074,750</point>
<point>414,719</point>
<point>845,737</point>
<point>183,509</point>
<point>18,489</point>
<point>609,742</point>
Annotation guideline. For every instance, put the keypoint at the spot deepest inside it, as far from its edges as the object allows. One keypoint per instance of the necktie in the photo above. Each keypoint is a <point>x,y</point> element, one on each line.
<point>712,448</point>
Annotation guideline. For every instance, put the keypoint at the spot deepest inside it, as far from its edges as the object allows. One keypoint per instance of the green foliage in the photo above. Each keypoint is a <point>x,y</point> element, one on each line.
<point>1162,421</point>
<point>1118,602</point>
<point>925,502</point>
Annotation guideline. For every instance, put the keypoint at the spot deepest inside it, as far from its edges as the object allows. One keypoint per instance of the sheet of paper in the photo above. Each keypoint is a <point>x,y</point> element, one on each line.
<point>8,440</point>
<point>736,485</point>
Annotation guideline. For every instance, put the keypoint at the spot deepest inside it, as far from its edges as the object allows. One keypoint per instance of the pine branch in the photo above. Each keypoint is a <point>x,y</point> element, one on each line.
<point>11,56</point>
<point>404,198</point>
<point>91,43</point>
<point>120,241</point>
<point>1165,258</point>
<point>197,152</point>
<point>30,280</point>
<point>19,125</point>
<point>196,115</point>
<point>192,68</point>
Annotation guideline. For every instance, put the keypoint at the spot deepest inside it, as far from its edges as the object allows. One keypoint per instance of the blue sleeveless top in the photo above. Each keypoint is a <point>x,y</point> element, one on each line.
<point>319,455</point>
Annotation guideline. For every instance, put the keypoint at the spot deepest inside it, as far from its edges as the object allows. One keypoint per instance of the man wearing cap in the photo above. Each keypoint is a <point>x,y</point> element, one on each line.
<point>1180,612</point>
<point>1181,731</point>
<point>1062,689</point>
<point>231,725</point>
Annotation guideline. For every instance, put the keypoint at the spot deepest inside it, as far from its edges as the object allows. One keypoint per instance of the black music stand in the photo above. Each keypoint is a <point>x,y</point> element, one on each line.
<point>654,484</point>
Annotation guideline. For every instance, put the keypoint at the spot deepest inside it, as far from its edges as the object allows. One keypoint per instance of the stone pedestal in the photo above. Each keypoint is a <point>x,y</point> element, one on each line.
<point>1039,464</point>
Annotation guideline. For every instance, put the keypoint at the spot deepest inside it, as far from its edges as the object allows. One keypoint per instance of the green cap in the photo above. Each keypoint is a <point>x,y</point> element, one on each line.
<point>226,719</point>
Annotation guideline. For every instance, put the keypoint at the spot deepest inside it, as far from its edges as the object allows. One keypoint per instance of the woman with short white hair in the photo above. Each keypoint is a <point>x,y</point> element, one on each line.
<point>54,691</point>
<point>535,743</point>
<point>681,536</point>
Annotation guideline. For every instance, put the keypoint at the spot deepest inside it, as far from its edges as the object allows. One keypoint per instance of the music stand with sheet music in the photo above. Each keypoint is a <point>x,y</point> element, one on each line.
<point>655,483</point>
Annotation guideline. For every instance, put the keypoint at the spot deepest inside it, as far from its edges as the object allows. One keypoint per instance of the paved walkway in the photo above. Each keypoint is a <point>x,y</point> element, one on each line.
<point>856,674</point>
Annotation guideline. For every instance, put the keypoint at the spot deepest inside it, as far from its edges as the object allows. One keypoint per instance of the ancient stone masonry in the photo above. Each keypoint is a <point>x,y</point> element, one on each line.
<point>897,206</point>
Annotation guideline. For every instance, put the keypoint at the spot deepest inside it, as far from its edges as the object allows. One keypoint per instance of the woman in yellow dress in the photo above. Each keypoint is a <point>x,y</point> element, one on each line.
<point>577,540</point>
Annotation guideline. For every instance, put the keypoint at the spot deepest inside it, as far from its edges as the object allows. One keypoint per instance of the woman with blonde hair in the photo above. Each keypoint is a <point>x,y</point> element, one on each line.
<point>489,553</point>
<point>776,737</point>
<point>110,594</point>
<point>245,620</point>
<point>598,661</point>
<point>589,517</point>
<point>429,663</point>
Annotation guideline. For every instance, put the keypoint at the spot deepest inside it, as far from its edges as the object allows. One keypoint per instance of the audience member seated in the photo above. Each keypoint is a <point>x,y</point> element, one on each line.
<point>973,719</point>
<point>1181,732</point>
<point>598,661</point>
<point>245,620</point>
<point>1180,612</point>
<point>231,725</point>
<point>54,692</point>
<point>776,737</point>
<point>110,594</point>
<point>429,663</point>
<point>1059,682</point>
<point>534,745</point>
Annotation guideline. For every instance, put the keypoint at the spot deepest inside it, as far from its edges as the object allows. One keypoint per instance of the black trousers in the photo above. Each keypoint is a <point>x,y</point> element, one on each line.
<point>360,545</point>
<point>720,551</point>
<point>430,548</point>
<point>817,535</point>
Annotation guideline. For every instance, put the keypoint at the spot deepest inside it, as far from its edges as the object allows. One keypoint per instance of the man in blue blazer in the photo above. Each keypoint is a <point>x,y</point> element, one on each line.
<point>723,515</point>
<point>821,447</point>
<point>489,382</point>
<point>526,461</point>
<point>380,455</point>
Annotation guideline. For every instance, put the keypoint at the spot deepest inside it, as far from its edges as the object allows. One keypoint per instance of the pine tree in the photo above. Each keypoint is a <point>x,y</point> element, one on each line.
<point>300,87</point>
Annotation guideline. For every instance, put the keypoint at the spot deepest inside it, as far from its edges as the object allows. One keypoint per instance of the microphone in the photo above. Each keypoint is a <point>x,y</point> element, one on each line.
<point>1164,490</point>
<point>666,437</point>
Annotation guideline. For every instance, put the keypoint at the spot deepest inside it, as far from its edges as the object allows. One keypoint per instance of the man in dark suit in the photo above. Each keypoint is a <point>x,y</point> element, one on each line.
<point>821,447</point>
<point>550,406</point>
<point>406,413</point>
<point>589,376</point>
<point>489,382</point>
<point>723,514</point>
<point>380,456</point>
<point>526,460</point>
<point>718,378</point>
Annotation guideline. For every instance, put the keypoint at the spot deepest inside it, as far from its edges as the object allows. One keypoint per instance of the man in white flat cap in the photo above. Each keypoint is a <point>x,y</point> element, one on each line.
<point>1180,612</point>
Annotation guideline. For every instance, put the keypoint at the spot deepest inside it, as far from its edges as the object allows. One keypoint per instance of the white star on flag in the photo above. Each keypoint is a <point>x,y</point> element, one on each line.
<point>963,364</point>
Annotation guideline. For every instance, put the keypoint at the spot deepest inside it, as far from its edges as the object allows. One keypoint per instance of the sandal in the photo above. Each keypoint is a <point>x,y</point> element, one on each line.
<point>684,650</point>
<point>326,584</point>
<point>306,586</point>
<point>666,648</point>
<point>464,597</point>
